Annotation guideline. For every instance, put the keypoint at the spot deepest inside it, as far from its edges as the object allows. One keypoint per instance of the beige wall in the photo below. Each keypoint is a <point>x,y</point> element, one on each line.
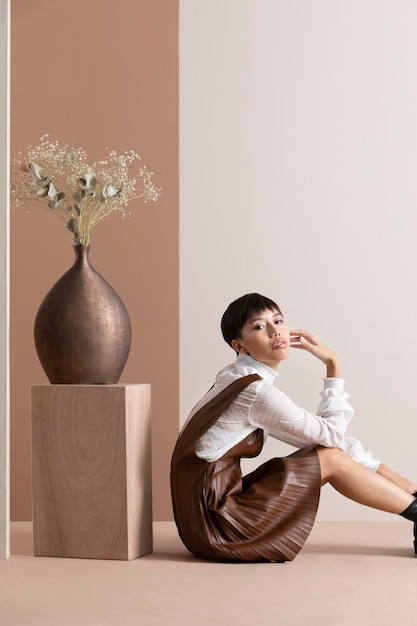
<point>298,180</point>
<point>99,74</point>
<point>298,161</point>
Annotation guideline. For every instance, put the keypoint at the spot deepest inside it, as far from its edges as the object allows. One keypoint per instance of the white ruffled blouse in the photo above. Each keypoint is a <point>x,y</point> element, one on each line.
<point>262,405</point>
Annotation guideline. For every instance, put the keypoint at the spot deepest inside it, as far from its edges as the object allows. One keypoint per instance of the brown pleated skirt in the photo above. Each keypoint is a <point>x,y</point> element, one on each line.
<point>224,516</point>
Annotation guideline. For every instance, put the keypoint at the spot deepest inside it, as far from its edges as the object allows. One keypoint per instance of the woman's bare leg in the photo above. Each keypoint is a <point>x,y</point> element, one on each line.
<point>362,484</point>
<point>399,480</point>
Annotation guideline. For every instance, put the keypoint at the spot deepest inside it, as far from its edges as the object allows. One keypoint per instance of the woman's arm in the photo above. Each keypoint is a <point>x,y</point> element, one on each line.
<point>306,341</point>
<point>272,410</point>
<point>281,418</point>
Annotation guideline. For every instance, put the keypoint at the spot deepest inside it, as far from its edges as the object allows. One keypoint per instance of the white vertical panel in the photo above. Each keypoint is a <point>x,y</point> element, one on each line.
<point>298,166</point>
<point>4,279</point>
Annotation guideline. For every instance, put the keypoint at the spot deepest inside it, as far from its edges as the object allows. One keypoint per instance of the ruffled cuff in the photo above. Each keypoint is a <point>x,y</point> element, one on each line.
<point>333,383</point>
<point>333,388</point>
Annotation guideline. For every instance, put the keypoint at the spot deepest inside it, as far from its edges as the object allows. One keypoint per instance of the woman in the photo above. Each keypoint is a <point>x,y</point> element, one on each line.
<point>268,514</point>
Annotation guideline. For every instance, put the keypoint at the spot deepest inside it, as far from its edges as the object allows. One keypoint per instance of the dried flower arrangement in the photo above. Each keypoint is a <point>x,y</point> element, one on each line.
<point>59,179</point>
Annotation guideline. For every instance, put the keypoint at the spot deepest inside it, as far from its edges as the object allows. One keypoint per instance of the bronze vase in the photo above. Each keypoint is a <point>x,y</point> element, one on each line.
<point>82,329</point>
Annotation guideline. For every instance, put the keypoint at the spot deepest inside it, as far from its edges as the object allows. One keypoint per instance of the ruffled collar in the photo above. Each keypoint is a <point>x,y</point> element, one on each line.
<point>246,361</point>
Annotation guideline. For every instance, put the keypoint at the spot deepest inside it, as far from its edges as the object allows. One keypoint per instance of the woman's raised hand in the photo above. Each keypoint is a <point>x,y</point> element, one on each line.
<point>306,341</point>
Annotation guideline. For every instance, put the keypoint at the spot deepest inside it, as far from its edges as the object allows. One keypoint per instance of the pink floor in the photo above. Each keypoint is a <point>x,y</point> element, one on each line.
<point>352,574</point>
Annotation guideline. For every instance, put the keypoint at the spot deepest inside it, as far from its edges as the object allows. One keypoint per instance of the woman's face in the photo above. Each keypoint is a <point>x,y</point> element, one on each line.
<point>265,337</point>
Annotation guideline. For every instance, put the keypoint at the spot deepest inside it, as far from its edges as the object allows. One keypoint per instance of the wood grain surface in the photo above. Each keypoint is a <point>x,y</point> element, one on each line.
<point>91,471</point>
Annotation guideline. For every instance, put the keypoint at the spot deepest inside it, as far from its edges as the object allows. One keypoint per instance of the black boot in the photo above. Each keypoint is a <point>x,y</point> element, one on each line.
<point>410,513</point>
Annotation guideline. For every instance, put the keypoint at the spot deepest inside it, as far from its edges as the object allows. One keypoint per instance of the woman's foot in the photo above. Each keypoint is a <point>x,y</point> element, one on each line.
<point>410,513</point>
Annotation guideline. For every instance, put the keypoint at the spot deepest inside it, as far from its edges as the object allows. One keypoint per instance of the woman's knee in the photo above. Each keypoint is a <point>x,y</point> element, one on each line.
<point>332,461</point>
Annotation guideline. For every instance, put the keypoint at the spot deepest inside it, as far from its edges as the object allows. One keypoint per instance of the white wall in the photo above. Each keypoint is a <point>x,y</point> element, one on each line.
<point>298,180</point>
<point>4,280</point>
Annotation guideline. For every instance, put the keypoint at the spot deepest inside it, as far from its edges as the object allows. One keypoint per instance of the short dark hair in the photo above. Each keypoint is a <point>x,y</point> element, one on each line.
<point>240,310</point>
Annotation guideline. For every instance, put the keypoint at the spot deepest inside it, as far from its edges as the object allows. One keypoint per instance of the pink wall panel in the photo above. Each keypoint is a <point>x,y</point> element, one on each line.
<point>99,75</point>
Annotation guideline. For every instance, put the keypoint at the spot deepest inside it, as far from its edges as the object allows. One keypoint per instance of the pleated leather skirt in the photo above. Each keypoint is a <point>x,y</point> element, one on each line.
<point>221,515</point>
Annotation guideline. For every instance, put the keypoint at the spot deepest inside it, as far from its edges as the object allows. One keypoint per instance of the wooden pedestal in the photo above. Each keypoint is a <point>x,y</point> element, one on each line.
<point>91,471</point>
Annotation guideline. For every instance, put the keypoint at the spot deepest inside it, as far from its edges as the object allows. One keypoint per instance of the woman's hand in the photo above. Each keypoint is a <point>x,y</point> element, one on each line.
<point>306,341</point>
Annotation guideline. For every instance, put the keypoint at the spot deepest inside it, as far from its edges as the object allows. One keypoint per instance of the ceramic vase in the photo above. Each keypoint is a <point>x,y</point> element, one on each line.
<point>82,328</point>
